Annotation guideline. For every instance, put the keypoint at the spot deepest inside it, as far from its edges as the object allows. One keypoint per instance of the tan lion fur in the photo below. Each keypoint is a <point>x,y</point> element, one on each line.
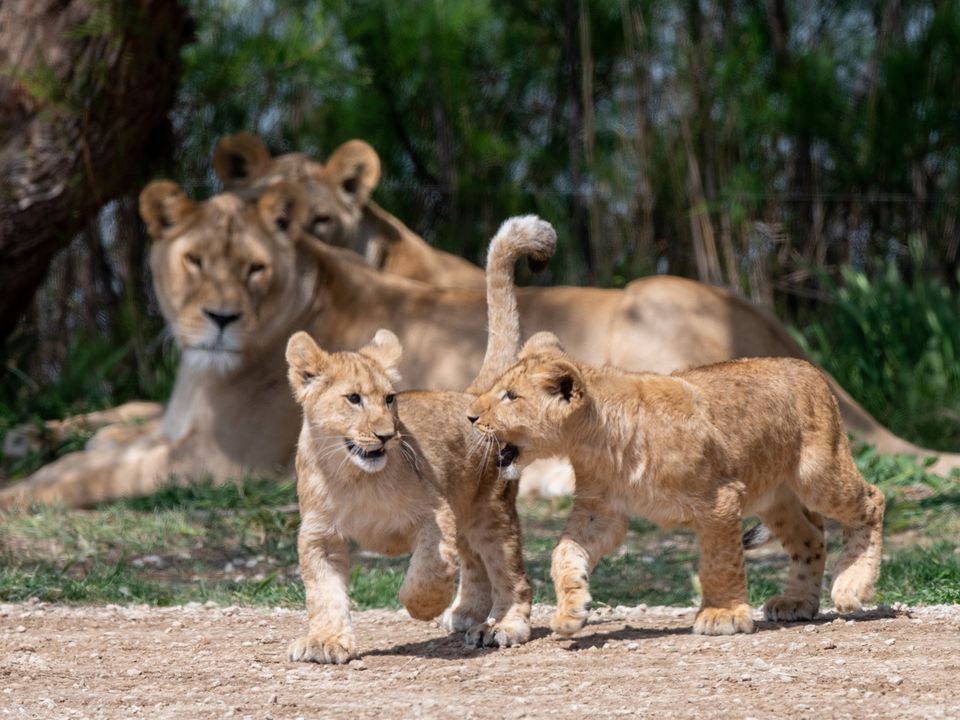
<point>342,212</point>
<point>427,486</point>
<point>657,323</point>
<point>700,448</point>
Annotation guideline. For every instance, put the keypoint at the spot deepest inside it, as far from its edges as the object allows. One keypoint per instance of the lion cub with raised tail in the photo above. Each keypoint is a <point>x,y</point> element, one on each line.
<point>404,472</point>
<point>700,448</point>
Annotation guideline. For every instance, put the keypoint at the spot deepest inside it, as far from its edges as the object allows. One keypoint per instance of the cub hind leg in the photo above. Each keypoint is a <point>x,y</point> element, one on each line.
<point>841,493</point>
<point>473,601</point>
<point>800,531</point>
<point>495,535</point>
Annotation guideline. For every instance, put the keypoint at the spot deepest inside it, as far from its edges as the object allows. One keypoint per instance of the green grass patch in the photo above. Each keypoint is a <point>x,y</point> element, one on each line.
<point>236,544</point>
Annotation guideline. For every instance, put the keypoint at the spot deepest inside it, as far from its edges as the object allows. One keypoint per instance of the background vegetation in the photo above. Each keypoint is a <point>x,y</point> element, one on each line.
<point>806,155</point>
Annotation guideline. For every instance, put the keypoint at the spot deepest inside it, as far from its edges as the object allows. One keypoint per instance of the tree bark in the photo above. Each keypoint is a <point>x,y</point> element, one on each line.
<point>85,86</point>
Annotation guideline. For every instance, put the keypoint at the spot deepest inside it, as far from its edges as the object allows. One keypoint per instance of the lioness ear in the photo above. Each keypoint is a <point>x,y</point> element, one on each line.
<point>240,158</point>
<point>563,380</point>
<point>284,207</point>
<point>354,168</point>
<point>542,343</point>
<point>163,204</point>
<point>386,350</point>
<point>306,362</point>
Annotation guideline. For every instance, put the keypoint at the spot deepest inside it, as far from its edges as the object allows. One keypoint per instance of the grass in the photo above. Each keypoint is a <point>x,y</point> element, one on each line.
<point>894,344</point>
<point>236,544</point>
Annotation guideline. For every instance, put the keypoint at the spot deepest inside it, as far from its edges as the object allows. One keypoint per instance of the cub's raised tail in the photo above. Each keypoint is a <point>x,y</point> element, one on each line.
<point>529,236</point>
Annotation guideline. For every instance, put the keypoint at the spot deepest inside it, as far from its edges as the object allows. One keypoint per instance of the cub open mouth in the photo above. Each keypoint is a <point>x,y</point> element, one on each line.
<point>508,453</point>
<point>366,454</point>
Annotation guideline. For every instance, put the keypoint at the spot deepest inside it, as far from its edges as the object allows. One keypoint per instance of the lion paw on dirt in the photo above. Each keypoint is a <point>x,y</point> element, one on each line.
<point>335,650</point>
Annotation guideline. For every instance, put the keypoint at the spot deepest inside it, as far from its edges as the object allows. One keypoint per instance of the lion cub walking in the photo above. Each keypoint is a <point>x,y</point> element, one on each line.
<point>404,472</point>
<point>700,448</point>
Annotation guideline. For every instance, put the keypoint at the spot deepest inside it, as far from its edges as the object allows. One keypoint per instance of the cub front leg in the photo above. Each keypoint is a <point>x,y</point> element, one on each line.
<point>325,566</point>
<point>591,532</point>
<point>724,610</point>
<point>428,585</point>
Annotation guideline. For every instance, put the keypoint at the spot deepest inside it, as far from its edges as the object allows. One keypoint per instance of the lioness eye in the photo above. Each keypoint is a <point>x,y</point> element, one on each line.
<point>195,260</point>
<point>510,395</point>
<point>353,399</point>
<point>390,399</point>
<point>256,268</point>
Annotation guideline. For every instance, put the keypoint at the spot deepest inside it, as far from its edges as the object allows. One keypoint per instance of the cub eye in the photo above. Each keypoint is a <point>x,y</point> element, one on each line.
<point>256,268</point>
<point>510,395</point>
<point>195,260</point>
<point>353,399</point>
<point>390,398</point>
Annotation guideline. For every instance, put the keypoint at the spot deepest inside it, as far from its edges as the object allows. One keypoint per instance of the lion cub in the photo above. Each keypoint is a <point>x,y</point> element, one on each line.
<point>404,472</point>
<point>700,448</point>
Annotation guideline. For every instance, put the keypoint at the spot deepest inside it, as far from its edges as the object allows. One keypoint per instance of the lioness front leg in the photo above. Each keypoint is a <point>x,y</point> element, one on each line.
<point>496,536</point>
<point>724,610</point>
<point>428,585</point>
<point>592,531</point>
<point>325,565</point>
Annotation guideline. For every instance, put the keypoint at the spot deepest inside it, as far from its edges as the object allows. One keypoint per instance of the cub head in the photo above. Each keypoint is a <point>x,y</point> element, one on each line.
<point>531,404</point>
<point>336,192</point>
<point>225,270</point>
<point>348,399</point>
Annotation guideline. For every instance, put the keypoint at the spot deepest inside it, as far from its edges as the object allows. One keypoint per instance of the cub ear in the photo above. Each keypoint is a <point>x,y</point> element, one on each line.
<point>283,207</point>
<point>386,350</point>
<point>542,343</point>
<point>163,204</point>
<point>306,362</point>
<point>562,379</point>
<point>354,168</point>
<point>240,158</point>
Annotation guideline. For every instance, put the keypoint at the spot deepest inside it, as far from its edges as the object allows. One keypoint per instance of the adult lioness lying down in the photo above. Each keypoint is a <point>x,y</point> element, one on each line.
<point>235,279</point>
<point>341,211</point>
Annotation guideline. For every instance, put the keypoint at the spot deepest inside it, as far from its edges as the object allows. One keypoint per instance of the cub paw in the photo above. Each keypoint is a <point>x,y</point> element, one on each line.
<point>459,620</point>
<point>789,609</point>
<point>846,602</point>
<point>506,633</point>
<point>335,650</point>
<point>424,604</point>
<point>572,614</point>
<point>720,621</point>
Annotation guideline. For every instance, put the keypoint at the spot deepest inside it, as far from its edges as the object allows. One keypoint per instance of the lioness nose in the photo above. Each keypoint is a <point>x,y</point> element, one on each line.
<point>221,320</point>
<point>473,418</point>
<point>383,437</point>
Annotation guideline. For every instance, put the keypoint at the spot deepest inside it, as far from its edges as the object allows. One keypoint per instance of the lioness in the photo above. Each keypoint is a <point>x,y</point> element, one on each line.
<point>226,414</point>
<point>341,210</point>
<point>699,448</point>
<point>402,471</point>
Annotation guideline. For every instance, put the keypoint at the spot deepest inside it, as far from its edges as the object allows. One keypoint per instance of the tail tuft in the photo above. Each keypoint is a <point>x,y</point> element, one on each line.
<point>756,536</point>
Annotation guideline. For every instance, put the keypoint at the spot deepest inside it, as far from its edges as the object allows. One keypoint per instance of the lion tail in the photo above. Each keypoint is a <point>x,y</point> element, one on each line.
<point>518,237</point>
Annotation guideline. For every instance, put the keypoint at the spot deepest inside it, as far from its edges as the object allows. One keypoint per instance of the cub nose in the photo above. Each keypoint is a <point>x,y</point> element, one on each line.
<point>473,418</point>
<point>383,437</point>
<point>221,320</point>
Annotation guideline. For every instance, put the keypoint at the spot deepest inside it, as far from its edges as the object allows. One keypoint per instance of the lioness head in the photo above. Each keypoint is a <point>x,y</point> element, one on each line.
<point>224,270</point>
<point>531,404</point>
<point>348,398</point>
<point>337,192</point>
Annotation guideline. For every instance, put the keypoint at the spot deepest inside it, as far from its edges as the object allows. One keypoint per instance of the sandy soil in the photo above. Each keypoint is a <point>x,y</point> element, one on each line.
<point>210,662</point>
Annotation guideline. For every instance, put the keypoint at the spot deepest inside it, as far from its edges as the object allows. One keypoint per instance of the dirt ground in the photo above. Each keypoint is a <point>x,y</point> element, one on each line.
<point>210,662</point>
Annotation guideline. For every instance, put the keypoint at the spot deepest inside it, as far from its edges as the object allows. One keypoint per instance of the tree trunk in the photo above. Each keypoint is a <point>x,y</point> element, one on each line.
<point>84,94</point>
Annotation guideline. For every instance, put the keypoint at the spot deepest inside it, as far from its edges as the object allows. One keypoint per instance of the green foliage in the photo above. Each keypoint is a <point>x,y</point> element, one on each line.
<point>922,576</point>
<point>894,344</point>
